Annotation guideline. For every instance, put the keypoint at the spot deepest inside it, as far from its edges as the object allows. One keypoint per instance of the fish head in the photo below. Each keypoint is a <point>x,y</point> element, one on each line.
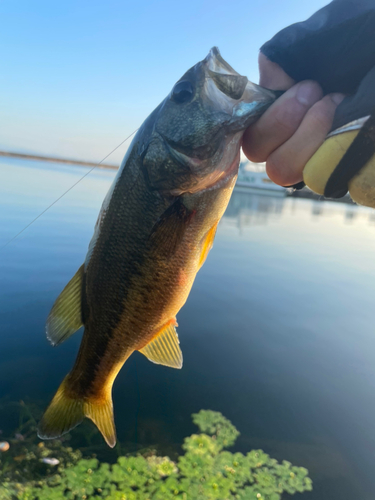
<point>194,136</point>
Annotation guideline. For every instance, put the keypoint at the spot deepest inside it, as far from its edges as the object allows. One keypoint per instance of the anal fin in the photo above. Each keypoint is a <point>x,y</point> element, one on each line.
<point>65,317</point>
<point>164,348</point>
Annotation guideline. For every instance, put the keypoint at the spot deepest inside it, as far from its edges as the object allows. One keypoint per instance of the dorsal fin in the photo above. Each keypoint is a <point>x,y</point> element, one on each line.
<point>164,349</point>
<point>65,317</point>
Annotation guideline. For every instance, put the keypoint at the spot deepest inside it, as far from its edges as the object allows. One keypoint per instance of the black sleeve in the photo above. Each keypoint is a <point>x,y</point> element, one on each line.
<point>335,46</point>
<point>359,105</point>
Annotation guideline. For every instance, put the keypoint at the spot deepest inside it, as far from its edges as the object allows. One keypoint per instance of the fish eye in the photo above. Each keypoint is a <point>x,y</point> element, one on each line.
<point>182,92</point>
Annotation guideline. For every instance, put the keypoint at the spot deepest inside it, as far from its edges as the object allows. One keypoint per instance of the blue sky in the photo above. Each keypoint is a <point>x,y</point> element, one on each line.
<point>77,77</point>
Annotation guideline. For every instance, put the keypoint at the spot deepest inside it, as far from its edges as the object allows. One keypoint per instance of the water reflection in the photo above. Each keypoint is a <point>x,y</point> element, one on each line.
<point>251,208</point>
<point>254,209</point>
<point>277,333</point>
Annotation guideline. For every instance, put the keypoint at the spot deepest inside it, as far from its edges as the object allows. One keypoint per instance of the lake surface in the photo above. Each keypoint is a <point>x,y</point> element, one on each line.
<point>278,332</point>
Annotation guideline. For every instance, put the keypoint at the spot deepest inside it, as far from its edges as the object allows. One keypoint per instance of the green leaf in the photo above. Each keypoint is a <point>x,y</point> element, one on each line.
<point>203,472</point>
<point>201,444</point>
<point>215,424</point>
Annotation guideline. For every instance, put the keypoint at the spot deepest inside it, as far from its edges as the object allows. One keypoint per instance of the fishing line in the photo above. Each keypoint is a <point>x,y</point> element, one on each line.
<point>67,191</point>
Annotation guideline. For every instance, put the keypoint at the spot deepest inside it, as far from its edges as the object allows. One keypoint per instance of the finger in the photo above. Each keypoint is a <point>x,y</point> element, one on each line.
<point>280,121</point>
<point>285,165</point>
<point>272,76</point>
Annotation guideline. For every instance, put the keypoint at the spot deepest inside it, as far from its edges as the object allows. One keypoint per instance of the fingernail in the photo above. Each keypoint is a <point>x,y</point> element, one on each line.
<point>337,98</point>
<point>308,93</point>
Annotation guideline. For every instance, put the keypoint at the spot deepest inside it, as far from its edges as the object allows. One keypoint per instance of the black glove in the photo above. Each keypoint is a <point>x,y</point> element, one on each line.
<point>336,47</point>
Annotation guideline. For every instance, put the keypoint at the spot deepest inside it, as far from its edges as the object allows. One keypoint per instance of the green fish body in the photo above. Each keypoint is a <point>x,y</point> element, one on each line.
<point>155,229</point>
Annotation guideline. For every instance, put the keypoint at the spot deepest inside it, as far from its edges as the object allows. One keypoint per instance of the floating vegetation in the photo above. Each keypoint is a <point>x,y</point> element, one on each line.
<point>51,471</point>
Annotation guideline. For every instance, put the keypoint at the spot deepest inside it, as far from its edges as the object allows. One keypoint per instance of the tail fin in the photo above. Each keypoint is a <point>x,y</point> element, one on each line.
<point>102,416</point>
<point>65,412</point>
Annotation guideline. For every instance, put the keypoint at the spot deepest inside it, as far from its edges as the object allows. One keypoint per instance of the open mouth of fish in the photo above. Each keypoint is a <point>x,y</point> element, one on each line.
<point>217,106</point>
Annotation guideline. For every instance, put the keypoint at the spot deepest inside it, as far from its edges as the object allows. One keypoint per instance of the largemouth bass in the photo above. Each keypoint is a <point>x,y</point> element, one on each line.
<point>154,231</point>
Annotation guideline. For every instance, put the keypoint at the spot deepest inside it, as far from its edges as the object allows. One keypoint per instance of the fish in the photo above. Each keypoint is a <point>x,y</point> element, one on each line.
<point>154,231</point>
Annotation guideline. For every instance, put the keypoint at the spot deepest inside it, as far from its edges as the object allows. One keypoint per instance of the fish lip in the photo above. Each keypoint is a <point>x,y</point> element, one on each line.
<point>216,62</point>
<point>243,110</point>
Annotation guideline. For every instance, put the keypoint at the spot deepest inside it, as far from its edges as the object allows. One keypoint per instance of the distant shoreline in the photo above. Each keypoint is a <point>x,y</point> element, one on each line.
<point>11,154</point>
<point>304,193</point>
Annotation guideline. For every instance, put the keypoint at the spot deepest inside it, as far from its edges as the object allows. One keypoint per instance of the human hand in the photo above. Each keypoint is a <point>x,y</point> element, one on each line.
<point>293,128</point>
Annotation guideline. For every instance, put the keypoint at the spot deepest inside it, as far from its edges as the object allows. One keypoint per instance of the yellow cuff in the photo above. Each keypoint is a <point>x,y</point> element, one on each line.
<point>320,167</point>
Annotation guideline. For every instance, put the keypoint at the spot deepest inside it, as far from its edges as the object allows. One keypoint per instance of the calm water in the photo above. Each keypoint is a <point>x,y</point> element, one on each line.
<point>278,333</point>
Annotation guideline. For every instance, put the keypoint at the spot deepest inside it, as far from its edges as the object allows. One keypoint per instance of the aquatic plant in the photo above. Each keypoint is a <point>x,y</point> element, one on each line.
<point>205,472</point>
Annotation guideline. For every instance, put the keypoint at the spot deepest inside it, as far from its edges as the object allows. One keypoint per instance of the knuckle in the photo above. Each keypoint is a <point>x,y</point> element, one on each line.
<point>286,120</point>
<point>321,114</point>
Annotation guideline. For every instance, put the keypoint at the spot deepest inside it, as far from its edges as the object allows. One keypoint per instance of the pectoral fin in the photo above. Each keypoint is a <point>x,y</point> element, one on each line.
<point>170,228</point>
<point>207,244</point>
<point>164,349</point>
<point>65,317</point>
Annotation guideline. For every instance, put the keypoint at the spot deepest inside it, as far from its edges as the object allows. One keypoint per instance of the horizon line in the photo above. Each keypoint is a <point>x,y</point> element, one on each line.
<point>54,159</point>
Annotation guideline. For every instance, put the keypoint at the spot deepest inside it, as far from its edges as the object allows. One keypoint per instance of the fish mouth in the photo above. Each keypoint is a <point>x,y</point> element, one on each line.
<point>238,103</point>
<point>215,62</point>
<point>240,98</point>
